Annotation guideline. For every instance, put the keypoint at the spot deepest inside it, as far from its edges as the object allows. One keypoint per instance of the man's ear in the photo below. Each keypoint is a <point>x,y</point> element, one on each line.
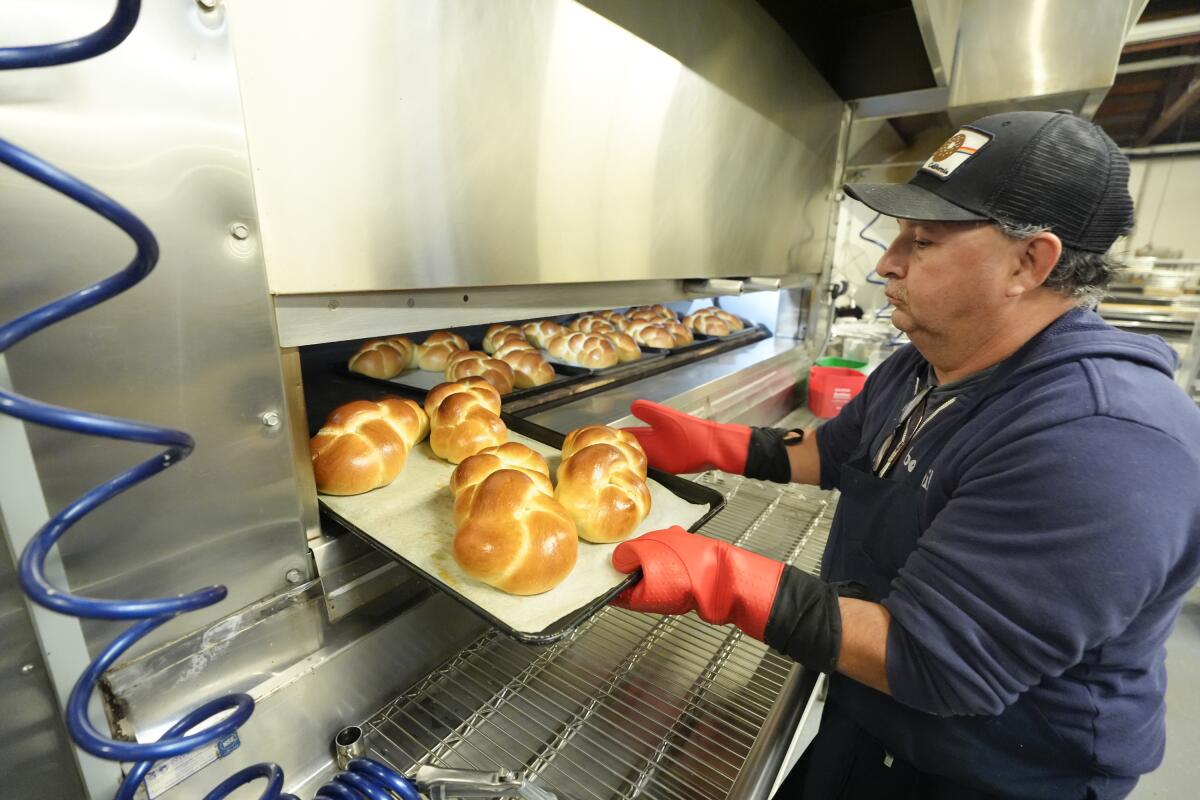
<point>1036,257</point>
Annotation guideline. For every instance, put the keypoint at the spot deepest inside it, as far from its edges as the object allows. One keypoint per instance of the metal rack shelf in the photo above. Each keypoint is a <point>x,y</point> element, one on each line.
<point>630,705</point>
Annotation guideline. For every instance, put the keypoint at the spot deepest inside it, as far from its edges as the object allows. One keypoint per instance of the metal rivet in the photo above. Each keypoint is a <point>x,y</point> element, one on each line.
<point>239,230</point>
<point>333,304</point>
<point>270,419</point>
<point>27,668</point>
<point>411,302</point>
<point>294,576</point>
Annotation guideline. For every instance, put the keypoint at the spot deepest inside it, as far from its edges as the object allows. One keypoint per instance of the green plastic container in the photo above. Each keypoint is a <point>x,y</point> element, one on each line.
<point>848,363</point>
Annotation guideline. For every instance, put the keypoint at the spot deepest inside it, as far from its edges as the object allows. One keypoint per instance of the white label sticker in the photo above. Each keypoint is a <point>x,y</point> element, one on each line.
<point>169,772</point>
<point>955,152</point>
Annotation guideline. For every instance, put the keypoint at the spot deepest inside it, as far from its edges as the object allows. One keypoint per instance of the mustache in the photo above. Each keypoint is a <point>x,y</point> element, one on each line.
<point>896,290</point>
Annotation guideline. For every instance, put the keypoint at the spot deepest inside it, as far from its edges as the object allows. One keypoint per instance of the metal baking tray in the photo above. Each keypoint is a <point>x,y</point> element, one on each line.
<point>647,354</point>
<point>421,381</point>
<point>390,519</point>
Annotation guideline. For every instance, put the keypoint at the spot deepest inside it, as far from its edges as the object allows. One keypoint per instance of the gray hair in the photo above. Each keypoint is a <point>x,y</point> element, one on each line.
<point>1079,274</point>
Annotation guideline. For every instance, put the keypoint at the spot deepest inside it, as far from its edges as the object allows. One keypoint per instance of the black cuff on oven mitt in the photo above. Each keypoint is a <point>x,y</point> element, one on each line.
<point>805,621</point>
<point>767,459</point>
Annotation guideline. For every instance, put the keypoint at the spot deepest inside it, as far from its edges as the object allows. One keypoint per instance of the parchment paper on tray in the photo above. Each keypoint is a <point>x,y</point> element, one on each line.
<point>413,520</point>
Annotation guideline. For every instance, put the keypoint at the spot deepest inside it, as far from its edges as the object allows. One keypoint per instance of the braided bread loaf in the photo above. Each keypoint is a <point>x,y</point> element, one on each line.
<point>625,345</point>
<point>528,368</point>
<point>679,332</point>
<point>498,334</point>
<point>510,455</point>
<point>708,324</point>
<point>435,350</point>
<point>383,358</point>
<point>513,346</point>
<point>621,439</point>
<point>465,363</point>
<point>657,310</point>
<point>514,536</point>
<point>364,445</point>
<point>734,323</point>
<point>585,349</point>
<point>542,331</point>
<point>650,334</point>
<point>603,493</point>
<point>464,418</point>
<point>591,323</point>
<point>713,321</point>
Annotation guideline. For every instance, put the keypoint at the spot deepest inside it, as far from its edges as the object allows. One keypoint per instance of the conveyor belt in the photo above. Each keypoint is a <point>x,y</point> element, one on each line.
<point>630,705</point>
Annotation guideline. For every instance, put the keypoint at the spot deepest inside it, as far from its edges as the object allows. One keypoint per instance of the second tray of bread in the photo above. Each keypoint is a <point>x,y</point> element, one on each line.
<point>412,520</point>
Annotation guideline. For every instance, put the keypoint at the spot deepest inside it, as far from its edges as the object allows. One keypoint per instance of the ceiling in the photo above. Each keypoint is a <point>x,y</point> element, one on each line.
<point>1156,106</point>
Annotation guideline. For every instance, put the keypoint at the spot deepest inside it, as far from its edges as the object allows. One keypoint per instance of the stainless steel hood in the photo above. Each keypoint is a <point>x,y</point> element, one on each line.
<point>1036,54</point>
<point>988,56</point>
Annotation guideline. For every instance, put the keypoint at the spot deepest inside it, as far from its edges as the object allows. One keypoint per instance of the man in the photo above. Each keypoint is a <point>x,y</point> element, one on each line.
<point>1019,518</point>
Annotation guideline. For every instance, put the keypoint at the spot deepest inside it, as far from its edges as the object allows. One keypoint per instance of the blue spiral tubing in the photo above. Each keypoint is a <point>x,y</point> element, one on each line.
<point>364,778</point>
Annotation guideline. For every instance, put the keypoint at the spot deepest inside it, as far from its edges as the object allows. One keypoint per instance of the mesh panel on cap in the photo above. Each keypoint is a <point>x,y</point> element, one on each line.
<point>1114,216</point>
<point>1071,177</point>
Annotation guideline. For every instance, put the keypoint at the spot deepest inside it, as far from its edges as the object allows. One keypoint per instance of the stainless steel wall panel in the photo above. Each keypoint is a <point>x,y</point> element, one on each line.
<point>34,749</point>
<point>419,145</point>
<point>156,124</point>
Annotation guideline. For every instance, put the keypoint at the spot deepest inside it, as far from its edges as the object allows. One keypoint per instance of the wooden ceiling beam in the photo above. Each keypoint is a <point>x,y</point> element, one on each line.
<point>1126,104</point>
<point>1173,111</point>
<point>1125,87</point>
<point>1160,44</point>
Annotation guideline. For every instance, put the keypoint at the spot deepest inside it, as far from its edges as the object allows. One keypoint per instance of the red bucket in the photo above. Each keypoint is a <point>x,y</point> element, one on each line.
<point>830,388</point>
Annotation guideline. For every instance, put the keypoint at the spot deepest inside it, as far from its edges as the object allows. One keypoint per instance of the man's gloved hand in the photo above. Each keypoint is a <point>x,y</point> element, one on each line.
<point>684,572</point>
<point>676,442</point>
<point>790,610</point>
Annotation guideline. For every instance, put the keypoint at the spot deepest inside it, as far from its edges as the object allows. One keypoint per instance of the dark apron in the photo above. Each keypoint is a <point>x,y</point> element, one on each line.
<point>871,746</point>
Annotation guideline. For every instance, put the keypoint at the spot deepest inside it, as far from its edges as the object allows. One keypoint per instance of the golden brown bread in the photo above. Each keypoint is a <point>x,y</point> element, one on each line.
<point>510,455</point>
<point>516,537</point>
<point>713,321</point>
<point>447,337</point>
<point>708,324</point>
<point>383,358</point>
<point>626,346</point>
<point>650,334</point>
<point>602,493</point>
<point>585,349</point>
<point>512,346</point>
<point>363,445</point>
<point>591,323</point>
<point>542,331</point>
<point>433,353</point>
<point>464,418</point>
<point>466,363</point>
<point>624,441</point>
<point>679,333</point>
<point>657,310</point>
<point>498,334</point>
<point>734,323</point>
<point>528,367</point>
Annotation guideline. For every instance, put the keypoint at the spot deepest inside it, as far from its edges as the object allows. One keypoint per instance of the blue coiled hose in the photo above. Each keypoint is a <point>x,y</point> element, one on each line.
<point>364,778</point>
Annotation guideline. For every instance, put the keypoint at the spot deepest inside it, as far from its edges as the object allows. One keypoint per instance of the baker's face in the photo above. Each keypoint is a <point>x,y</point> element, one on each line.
<point>944,278</point>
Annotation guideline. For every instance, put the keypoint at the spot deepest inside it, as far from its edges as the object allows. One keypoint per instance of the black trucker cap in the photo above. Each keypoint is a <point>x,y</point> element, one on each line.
<point>1025,167</point>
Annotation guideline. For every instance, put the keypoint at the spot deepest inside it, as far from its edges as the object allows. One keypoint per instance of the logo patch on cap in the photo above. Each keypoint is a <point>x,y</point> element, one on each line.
<point>956,151</point>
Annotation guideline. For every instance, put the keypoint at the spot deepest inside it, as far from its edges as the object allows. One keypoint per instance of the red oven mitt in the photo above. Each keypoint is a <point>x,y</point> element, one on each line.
<point>676,442</point>
<point>790,610</point>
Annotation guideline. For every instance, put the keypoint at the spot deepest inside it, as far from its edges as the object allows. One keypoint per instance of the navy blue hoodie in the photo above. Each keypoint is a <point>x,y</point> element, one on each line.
<point>1061,531</point>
